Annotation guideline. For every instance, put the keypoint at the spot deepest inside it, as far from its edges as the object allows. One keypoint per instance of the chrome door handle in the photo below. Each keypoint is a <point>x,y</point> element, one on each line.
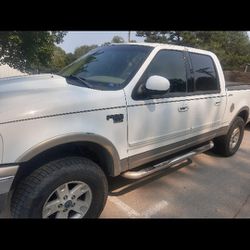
<point>183,109</point>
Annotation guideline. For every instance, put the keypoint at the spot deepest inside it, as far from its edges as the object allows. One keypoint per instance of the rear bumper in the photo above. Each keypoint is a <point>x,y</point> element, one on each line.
<point>7,175</point>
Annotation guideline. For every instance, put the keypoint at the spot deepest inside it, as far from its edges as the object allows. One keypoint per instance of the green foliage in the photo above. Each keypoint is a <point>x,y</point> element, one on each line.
<point>80,51</point>
<point>60,59</point>
<point>231,47</point>
<point>117,39</point>
<point>26,50</point>
<point>70,57</point>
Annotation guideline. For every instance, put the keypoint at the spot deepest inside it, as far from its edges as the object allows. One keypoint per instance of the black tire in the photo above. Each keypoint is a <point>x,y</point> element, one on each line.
<point>33,191</point>
<point>222,143</point>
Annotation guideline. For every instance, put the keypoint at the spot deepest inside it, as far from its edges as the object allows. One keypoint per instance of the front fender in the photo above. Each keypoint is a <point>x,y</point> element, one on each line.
<point>74,137</point>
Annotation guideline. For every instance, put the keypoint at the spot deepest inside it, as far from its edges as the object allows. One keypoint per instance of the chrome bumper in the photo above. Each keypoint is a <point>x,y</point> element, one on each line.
<point>7,175</point>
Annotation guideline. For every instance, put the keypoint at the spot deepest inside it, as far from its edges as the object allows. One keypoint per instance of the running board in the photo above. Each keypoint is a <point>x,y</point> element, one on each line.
<point>166,164</point>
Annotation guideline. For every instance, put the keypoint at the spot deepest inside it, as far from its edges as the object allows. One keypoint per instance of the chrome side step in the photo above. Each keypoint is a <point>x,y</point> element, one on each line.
<point>166,164</point>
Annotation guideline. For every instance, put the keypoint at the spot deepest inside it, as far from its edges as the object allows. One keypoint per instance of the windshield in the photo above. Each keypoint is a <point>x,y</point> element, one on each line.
<point>108,67</point>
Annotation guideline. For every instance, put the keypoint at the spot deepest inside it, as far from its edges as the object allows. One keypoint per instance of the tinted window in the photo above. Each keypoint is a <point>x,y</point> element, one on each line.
<point>171,65</point>
<point>205,77</point>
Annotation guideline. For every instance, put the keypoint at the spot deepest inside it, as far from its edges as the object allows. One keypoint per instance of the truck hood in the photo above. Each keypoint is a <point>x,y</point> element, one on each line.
<point>38,96</point>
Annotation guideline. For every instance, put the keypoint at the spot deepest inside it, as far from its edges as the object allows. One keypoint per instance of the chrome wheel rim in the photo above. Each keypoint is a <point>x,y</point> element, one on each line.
<point>234,138</point>
<point>70,200</point>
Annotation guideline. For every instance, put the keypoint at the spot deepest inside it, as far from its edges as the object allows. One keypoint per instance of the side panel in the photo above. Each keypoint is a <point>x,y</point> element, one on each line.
<point>206,112</point>
<point>20,137</point>
<point>156,123</point>
<point>237,100</point>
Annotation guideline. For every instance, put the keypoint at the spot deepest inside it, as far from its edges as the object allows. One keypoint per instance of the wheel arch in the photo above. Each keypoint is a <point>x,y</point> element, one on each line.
<point>94,147</point>
<point>243,113</point>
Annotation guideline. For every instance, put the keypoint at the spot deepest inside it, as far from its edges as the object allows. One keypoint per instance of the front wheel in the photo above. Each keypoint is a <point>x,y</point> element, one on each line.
<point>228,144</point>
<point>72,187</point>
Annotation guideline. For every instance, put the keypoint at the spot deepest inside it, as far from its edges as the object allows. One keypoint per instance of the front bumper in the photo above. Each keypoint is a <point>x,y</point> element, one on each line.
<point>7,175</point>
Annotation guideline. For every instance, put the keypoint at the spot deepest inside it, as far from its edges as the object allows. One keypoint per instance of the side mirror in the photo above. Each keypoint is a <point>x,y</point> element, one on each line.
<point>157,83</point>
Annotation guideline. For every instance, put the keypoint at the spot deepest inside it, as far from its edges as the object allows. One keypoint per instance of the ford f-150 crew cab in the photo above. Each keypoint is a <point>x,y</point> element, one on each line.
<point>111,112</point>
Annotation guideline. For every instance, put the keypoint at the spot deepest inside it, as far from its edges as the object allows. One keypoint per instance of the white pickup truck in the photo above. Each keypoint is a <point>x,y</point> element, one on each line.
<point>117,108</point>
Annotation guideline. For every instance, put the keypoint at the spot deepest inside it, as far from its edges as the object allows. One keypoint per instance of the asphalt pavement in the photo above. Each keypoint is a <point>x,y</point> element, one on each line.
<point>210,187</point>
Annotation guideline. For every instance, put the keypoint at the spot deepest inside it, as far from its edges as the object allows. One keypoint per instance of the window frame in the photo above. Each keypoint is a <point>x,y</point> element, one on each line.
<point>192,75</point>
<point>166,95</point>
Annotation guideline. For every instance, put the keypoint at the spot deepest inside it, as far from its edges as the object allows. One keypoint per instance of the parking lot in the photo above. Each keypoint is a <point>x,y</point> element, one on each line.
<point>209,187</point>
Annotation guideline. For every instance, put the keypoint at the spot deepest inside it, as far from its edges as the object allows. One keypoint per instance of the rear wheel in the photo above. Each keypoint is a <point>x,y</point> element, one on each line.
<point>72,187</point>
<point>228,144</point>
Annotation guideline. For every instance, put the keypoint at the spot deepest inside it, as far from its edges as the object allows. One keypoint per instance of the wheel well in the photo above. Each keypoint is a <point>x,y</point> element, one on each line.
<point>244,115</point>
<point>90,150</point>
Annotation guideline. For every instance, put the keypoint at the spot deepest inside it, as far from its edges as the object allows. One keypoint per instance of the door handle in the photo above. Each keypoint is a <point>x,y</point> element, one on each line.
<point>217,103</point>
<point>183,108</point>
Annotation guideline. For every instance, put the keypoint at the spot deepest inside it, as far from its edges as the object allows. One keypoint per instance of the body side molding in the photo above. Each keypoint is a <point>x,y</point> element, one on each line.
<point>157,153</point>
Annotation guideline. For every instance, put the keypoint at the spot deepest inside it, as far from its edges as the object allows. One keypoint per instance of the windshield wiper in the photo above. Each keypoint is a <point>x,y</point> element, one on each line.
<point>82,80</point>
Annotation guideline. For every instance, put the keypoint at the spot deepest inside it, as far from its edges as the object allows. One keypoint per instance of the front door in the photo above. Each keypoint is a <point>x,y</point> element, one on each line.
<point>159,120</point>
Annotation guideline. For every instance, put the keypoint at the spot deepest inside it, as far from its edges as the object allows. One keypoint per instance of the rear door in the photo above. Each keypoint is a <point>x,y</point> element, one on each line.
<point>206,101</point>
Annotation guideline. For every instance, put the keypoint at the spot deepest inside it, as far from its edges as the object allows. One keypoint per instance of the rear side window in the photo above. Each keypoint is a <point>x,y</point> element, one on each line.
<point>205,75</point>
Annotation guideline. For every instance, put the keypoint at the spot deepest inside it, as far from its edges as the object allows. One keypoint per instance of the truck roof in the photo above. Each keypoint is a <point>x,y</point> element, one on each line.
<point>168,46</point>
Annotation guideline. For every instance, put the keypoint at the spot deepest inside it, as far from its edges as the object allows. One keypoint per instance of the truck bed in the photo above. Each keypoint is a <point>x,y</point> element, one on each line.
<point>237,85</point>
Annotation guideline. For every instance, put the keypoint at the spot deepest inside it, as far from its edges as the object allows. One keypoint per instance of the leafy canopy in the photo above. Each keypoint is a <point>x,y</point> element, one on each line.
<point>25,50</point>
<point>231,47</point>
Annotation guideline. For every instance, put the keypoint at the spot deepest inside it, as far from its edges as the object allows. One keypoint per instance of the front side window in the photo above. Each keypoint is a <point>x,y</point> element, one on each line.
<point>171,65</point>
<point>108,67</point>
<point>205,76</point>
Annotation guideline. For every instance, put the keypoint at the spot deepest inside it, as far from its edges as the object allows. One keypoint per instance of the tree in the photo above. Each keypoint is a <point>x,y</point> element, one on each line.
<point>80,51</point>
<point>70,57</point>
<point>117,39</point>
<point>59,60</point>
<point>154,36</point>
<point>28,50</point>
<point>231,47</point>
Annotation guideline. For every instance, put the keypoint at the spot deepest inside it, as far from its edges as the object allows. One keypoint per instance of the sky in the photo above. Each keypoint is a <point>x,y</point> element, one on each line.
<point>75,39</point>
